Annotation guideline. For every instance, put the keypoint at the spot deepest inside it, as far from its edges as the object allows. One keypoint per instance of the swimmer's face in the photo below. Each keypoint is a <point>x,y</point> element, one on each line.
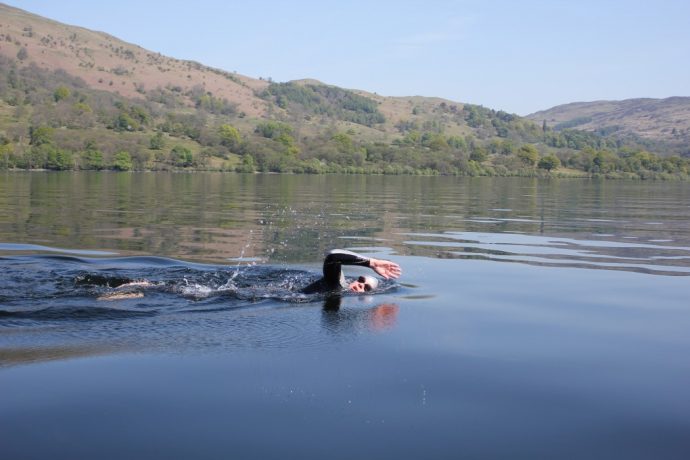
<point>361,285</point>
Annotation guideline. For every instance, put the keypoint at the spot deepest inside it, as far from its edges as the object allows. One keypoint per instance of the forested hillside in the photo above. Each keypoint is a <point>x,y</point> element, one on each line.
<point>663,124</point>
<point>77,99</point>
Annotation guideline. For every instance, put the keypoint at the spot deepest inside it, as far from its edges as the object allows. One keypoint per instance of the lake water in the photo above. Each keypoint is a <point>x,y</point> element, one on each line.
<point>534,318</point>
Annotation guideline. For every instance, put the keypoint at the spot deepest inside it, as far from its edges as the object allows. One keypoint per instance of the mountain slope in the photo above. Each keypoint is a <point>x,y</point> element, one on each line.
<point>107,63</point>
<point>71,98</point>
<point>664,120</point>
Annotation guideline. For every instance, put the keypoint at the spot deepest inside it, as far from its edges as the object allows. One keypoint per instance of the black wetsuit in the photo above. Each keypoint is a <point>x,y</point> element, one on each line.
<point>333,279</point>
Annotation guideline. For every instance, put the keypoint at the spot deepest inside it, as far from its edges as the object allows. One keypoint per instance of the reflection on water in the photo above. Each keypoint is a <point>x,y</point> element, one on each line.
<point>98,304</point>
<point>356,320</point>
<point>267,327</point>
<point>534,318</point>
<point>155,248</point>
<point>554,251</point>
<point>25,355</point>
<point>239,219</point>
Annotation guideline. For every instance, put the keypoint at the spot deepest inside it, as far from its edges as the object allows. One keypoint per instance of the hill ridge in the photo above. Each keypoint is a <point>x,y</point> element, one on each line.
<point>73,98</point>
<point>657,119</point>
<point>108,63</point>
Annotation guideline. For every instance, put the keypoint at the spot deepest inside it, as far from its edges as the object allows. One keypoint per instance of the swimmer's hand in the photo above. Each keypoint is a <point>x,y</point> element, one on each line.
<point>385,268</point>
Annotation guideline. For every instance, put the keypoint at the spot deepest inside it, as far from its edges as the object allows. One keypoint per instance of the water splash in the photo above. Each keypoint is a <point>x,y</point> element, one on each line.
<point>48,287</point>
<point>241,258</point>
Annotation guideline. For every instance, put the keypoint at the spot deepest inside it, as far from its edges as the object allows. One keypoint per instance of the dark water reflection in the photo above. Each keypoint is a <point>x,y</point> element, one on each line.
<point>292,219</point>
<point>534,319</point>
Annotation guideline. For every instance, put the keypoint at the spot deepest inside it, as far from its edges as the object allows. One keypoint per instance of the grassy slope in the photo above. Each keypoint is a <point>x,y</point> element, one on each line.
<point>107,63</point>
<point>655,119</point>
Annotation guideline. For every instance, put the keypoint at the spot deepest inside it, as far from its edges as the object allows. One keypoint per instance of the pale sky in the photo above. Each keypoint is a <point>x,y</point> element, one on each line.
<point>519,56</point>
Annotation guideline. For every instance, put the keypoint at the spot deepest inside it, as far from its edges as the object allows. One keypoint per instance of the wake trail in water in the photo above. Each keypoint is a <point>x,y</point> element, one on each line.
<point>72,288</point>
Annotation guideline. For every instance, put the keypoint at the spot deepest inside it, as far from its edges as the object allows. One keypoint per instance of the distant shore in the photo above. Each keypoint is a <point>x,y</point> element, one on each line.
<point>565,174</point>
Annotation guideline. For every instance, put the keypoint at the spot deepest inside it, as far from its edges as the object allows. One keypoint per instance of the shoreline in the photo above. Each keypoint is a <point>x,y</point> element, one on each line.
<point>537,175</point>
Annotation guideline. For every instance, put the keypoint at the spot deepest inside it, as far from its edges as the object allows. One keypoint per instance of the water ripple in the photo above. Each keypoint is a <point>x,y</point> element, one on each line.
<point>56,288</point>
<point>651,258</point>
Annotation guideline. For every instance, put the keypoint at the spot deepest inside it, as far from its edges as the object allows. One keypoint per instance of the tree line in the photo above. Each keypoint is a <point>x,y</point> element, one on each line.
<point>51,120</point>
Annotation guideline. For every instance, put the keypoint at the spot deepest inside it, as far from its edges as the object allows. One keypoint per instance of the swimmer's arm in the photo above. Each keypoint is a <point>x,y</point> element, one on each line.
<point>338,257</point>
<point>385,268</point>
<point>345,257</point>
<point>142,283</point>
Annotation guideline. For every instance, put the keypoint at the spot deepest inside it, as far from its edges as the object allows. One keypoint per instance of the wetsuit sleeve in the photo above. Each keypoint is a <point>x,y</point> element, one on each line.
<point>333,278</point>
<point>335,259</point>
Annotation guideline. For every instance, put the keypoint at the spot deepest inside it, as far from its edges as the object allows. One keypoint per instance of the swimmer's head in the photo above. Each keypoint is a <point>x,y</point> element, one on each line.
<point>364,284</point>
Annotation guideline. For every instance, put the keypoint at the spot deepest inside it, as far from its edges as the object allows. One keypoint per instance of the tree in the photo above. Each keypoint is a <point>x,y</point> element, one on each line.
<point>413,137</point>
<point>457,142</point>
<point>603,162</point>
<point>479,154</point>
<point>124,122</point>
<point>289,142</point>
<point>343,142</point>
<point>157,142</point>
<point>247,164</point>
<point>140,114</point>
<point>273,129</point>
<point>39,135</point>
<point>181,156</point>
<point>22,54</point>
<point>92,159</point>
<point>435,142</point>
<point>229,136</point>
<point>549,162</point>
<point>528,154</point>
<point>122,161</point>
<point>5,149</point>
<point>474,115</point>
<point>60,93</point>
<point>58,159</point>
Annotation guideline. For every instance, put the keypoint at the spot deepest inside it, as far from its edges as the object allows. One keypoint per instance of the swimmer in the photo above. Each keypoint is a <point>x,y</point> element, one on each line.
<point>333,278</point>
<point>121,296</point>
<point>125,291</point>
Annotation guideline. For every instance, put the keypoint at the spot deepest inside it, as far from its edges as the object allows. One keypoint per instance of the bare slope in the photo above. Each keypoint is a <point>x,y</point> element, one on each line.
<point>107,63</point>
<point>314,110</point>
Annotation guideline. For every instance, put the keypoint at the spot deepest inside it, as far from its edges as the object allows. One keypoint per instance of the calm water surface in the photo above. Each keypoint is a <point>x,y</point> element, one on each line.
<point>534,319</point>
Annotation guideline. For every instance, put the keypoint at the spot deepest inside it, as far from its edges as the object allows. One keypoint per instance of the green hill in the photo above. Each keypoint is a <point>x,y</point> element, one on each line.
<point>72,98</point>
<point>663,123</point>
